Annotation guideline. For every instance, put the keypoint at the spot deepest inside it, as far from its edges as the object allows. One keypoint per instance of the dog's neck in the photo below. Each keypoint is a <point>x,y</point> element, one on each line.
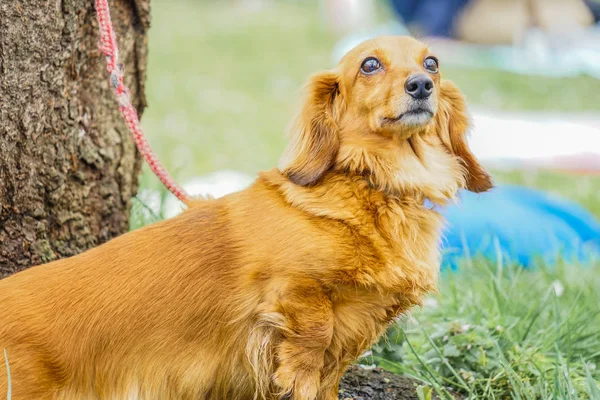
<point>416,165</point>
<point>349,197</point>
<point>385,220</point>
<point>374,172</point>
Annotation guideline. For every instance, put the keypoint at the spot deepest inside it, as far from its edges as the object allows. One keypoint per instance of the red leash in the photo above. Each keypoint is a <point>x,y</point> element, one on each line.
<point>108,46</point>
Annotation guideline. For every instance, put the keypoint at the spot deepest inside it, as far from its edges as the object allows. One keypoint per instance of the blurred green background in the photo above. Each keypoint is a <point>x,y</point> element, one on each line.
<point>225,79</point>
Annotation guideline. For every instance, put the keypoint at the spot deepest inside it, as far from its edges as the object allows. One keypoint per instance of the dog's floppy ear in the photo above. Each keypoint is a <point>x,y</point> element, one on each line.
<point>314,137</point>
<point>452,123</point>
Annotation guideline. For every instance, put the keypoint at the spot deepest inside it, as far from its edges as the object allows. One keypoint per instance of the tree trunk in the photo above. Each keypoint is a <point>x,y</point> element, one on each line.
<point>68,167</point>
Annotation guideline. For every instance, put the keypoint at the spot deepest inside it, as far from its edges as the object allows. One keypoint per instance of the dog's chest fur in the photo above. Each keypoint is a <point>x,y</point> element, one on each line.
<point>398,265</point>
<point>390,258</point>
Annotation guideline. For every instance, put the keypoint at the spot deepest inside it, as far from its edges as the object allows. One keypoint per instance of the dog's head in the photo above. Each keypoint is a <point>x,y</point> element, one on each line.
<point>384,92</point>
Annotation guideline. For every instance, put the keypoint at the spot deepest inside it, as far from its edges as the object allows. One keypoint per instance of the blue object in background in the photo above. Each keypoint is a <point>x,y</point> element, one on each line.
<point>521,224</point>
<point>434,17</point>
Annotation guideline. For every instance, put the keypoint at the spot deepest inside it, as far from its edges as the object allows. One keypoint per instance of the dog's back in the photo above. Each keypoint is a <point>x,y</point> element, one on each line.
<point>143,305</point>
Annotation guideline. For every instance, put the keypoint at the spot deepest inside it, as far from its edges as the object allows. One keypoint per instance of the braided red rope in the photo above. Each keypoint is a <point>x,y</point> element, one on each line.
<point>109,47</point>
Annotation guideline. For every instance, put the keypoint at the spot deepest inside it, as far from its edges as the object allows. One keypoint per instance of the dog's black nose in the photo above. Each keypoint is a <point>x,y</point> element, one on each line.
<point>419,86</point>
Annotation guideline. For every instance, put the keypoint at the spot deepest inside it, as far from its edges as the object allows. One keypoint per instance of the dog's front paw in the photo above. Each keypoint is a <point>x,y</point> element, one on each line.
<point>297,385</point>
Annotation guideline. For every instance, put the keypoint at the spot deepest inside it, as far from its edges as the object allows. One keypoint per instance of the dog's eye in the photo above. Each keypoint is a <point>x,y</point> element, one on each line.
<point>431,64</point>
<point>370,66</point>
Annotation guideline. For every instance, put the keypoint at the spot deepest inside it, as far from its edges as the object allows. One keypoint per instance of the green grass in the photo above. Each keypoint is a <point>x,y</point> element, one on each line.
<point>508,91</point>
<point>223,84</point>
<point>499,331</point>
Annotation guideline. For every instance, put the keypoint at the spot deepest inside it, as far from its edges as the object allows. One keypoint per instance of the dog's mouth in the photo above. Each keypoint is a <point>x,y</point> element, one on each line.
<point>415,116</point>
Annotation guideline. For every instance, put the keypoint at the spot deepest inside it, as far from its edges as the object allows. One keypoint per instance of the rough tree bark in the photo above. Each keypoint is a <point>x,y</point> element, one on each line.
<point>68,168</point>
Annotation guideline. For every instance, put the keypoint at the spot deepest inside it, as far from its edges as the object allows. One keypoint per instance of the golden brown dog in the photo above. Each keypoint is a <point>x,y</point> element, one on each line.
<point>274,290</point>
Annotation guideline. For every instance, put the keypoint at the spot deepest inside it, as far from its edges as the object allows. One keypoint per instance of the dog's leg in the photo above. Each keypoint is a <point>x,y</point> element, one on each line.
<point>330,381</point>
<point>329,393</point>
<point>307,334</point>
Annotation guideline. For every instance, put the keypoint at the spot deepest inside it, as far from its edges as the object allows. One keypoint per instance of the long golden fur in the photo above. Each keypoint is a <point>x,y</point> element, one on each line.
<point>271,291</point>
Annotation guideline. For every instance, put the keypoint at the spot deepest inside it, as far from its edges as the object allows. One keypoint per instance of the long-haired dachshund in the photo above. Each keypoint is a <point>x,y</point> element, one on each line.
<point>272,291</point>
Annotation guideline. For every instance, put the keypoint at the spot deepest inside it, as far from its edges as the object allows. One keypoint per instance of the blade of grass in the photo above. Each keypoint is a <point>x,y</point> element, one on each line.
<point>441,390</point>
<point>462,384</point>
<point>8,378</point>
<point>592,387</point>
<point>153,215</point>
<point>566,372</point>
<point>515,381</point>
<point>539,307</point>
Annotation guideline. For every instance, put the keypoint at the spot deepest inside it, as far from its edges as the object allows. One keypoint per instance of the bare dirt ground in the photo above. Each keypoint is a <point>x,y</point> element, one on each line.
<point>378,384</point>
